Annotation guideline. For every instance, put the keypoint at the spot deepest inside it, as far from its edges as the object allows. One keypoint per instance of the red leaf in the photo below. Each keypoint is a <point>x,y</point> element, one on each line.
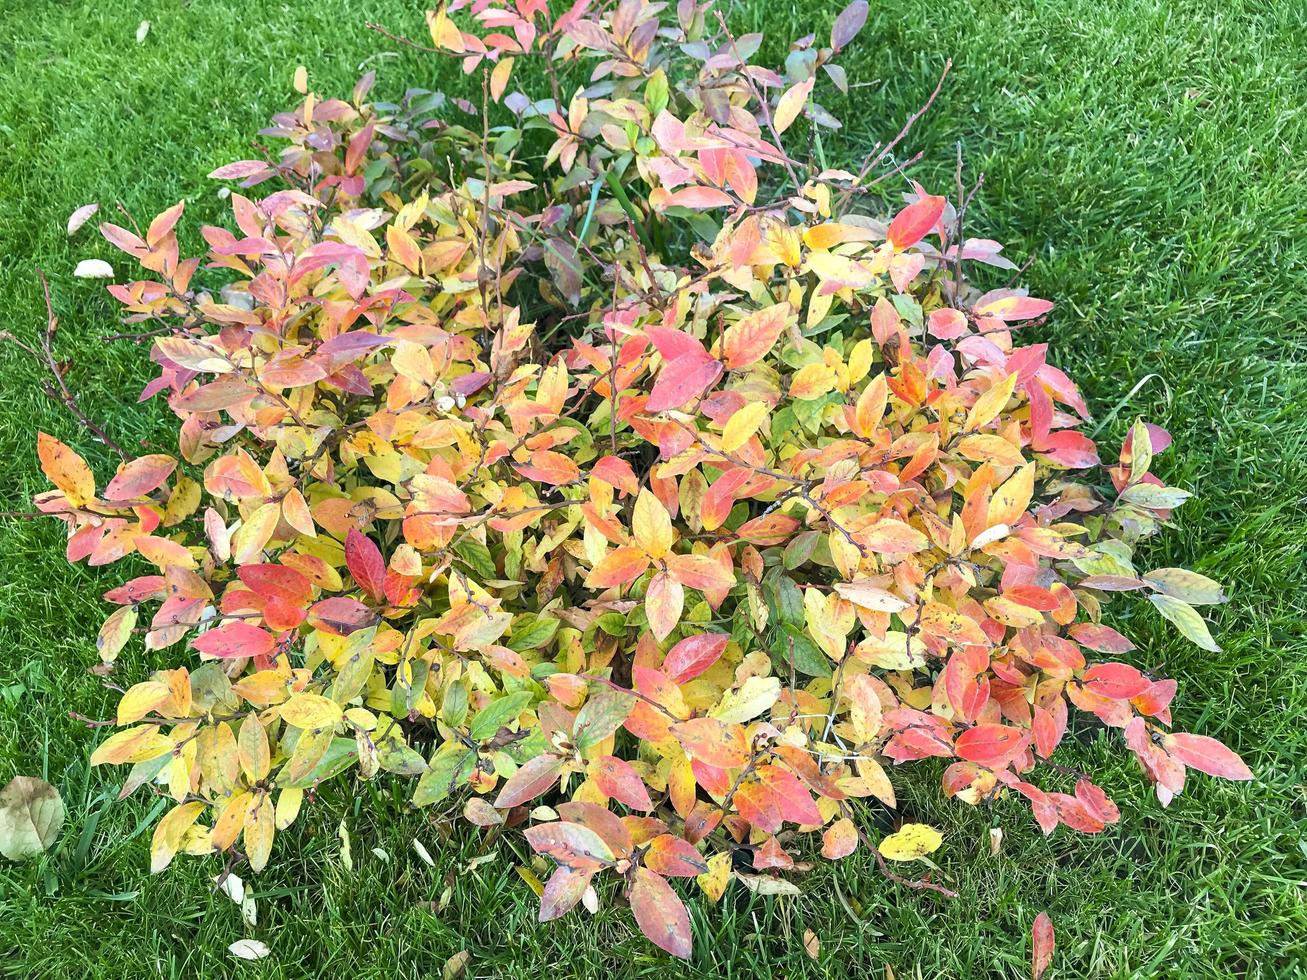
<point>991,745</point>
<point>365,563</point>
<point>1206,755</point>
<point>1097,802</point>
<point>617,779</point>
<point>532,779</point>
<point>660,913</point>
<point>1048,727</point>
<point>914,222</point>
<point>276,582</point>
<point>1120,682</point>
<point>617,473</point>
<point>341,615</point>
<point>682,379</point>
<point>235,640</point>
<point>1041,945</point>
<point>693,655</point>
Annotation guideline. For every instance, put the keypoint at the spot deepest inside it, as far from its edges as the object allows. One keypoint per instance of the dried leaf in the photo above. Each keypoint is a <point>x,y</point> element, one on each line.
<point>31,816</point>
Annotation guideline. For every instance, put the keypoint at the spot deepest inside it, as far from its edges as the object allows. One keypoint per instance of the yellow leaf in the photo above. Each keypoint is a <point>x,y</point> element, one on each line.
<point>499,78</point>
<point>742,425</point>
<point>168,834</point>
<point>255,533</point>
<point>529,876</point>
<point>311,711</point>
<point>912,841</point>
<point>1186,620</point>
<point>752,698</point>
<point>717,877</point>
<point>812,381</point>
<point>260,828</point>
<point>652,525</point>
<point>66,470</point>
<point>830,234</point>
<point>141,699</point>
<point>139,744</point>
<point>791,104</point>
<point>1013,497</point>
<point>991,403</point>
<point>255,753</point>
<point>443,32</point>
<point>288,806</point>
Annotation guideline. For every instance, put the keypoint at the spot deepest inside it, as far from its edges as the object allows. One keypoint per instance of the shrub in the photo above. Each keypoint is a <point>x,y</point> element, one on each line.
<point>613,461</point>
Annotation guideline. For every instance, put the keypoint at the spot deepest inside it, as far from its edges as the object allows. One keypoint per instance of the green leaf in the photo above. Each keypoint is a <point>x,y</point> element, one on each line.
<point>600,716</point>
<point>497,714</point>
<point>1186,620</point>
<point>1187,586</point>
<point>1154,497</point>
<point>339,756</point>
<point>808,659</point>
<point>531,632</point>
<point>449,767</point>
<point>478,558</point>
<point>453,710</point>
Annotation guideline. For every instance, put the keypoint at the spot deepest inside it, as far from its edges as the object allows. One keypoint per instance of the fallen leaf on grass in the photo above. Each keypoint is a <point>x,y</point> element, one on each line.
<point>31,816</point>
<point>93,269</point>
<point>80,217</point>
<point>248,949</point>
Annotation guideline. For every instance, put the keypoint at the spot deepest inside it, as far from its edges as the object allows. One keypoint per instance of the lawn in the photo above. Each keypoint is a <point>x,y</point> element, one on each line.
<point>1148,153</point>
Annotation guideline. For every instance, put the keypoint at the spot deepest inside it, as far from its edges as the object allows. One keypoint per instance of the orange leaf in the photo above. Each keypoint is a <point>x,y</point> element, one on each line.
<point>749,340</point>
<point>915,222</point>
<point>66,470</point>
<point>617,779</point>
<point>619,567</point>
<point>712,742</point>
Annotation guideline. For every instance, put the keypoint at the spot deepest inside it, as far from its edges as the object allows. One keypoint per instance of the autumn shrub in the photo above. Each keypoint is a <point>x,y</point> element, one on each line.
<point>616,472</point>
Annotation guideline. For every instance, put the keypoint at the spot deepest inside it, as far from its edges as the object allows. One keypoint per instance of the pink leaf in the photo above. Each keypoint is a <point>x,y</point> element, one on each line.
<point>239,170</point>
<point>661,914</point>
<point>1206,755</point>
<point>682,379</point>
<point>532,779</point>
<point>235,640</point>
<point>137,478</point>
<point>693,655</point>
<point>1041,945</point>
<point>848,23</point>
<point>699,198</point>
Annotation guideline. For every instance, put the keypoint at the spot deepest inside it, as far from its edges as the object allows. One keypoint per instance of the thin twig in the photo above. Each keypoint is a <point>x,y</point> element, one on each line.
<point>45,358</point>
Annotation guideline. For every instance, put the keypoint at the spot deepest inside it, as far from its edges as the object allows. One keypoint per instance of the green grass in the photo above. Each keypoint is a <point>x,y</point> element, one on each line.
<point>1150,154</point>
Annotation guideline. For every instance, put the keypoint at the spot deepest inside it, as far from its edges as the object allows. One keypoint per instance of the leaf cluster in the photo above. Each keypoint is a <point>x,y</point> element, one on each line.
<point>613,472</point>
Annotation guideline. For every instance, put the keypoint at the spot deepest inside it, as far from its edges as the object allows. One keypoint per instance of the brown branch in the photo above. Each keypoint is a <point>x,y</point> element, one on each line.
<point>45,358</point>
<point>916,884</point>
